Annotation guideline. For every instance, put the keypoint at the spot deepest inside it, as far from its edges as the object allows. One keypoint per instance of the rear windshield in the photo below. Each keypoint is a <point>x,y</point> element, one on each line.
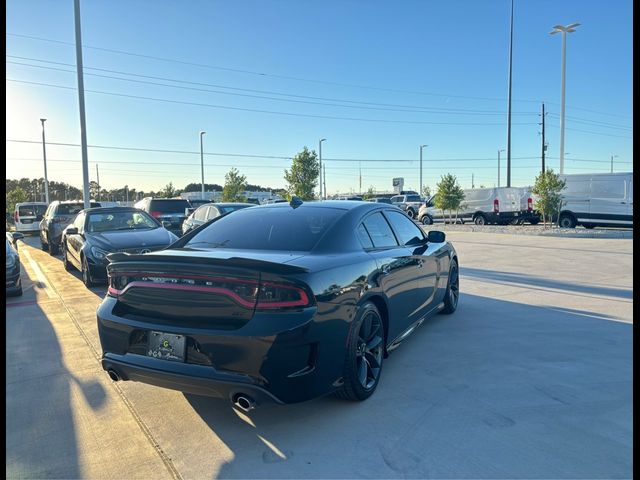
<point>72,208</point>
<point>268,229</point>
<point>31,210</point>
<point>413,198</point>
<point>169,206</point>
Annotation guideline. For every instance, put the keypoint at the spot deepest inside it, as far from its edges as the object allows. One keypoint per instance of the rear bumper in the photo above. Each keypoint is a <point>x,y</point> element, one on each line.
<point>195,379</point>
<point>27,227</point>
<point>281,357</point>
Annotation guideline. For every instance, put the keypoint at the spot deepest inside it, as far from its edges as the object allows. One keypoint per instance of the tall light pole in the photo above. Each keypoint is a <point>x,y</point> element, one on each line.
<point>320,156</point>
<point>98,180</point>
<point>44,156</point>
<point>83,123</point>
<point>612,157</point>
<point>499,165</point>
<point>564,30</point>
<point>202,165</point>
<point>509,108</point>
<point>421,147</point>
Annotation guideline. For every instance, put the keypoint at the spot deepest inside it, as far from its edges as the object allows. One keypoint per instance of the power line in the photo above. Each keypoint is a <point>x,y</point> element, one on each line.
<point>413,108</point>
<point>593,122</point>
<point>262,74</point>
<point>592,132</point>
<point>271,112</point>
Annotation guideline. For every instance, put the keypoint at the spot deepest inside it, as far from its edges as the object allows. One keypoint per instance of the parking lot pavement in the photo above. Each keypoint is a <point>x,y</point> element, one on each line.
<point>531,377</point>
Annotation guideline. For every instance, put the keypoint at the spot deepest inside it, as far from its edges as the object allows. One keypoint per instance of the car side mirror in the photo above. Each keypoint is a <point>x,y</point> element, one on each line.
<point>166,224</point>
<point>436,236</point>
<point>72,231</point>
<point>15,236</point>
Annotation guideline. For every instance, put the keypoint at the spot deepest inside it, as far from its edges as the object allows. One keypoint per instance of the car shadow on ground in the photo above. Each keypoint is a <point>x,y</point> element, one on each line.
<point>497,390</point>
<point>41,439</point>
<point>544,282</point>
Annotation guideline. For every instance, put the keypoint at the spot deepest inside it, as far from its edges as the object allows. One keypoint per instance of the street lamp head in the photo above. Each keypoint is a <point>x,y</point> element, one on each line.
<point>322,139</point>
<point>568,29</point>
<point>423,146</point>
<point>202,133</point>
<point>43,120</point>
<point>501,150</point>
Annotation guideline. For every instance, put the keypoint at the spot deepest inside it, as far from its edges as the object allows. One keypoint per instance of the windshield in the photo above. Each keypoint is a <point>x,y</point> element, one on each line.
<point>233,208</point>
<point>112,221</point>
<point>31,210</point>
<point>268,229</point>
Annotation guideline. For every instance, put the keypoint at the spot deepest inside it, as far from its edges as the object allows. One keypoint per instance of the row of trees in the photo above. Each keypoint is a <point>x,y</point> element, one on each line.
<point>302,179</point>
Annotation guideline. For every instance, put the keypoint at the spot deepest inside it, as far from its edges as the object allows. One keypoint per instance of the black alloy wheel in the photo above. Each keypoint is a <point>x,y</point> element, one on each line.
<point>53,249</point>
<point>411,213</point>
<point>365,352</point>
<point>65,259</point>
<point>427,220</point>
<point>453,289</point>
<point>86,275</point>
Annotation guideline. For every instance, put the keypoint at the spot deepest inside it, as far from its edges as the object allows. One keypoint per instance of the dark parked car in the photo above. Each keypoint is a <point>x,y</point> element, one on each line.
<point>97,232</point>
<point>209,211</point>
<point>281,302</point>
<point>56,218</point>
<point>14,284</point>
<point>170,210</point>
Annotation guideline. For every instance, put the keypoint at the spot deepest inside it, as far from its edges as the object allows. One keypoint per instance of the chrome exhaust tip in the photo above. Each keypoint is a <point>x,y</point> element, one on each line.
<point>244,403</point>
<point>113,375</point>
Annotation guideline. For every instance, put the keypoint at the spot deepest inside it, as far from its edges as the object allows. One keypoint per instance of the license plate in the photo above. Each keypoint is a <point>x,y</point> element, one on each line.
<point>166,346</point>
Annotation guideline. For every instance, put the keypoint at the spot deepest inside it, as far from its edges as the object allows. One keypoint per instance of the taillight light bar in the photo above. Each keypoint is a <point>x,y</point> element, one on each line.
<point>496,206</point>
<point>247,293</point>
<point>155,213</point>
<point>529,204</point>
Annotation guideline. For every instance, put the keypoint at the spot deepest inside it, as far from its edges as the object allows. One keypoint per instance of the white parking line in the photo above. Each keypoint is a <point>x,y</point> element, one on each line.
<point>42,279</point>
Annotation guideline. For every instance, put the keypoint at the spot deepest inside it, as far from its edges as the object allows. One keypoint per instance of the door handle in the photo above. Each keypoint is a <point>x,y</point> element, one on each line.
<point>624,203</point>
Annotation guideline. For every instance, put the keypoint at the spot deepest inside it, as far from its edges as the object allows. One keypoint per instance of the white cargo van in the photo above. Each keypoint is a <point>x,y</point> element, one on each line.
<point>482,206</point>
<point>27,216</point>
<point>597,199</point>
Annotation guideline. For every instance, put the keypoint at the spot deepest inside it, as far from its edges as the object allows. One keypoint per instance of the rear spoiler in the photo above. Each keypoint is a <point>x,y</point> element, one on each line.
<point>121,260</point>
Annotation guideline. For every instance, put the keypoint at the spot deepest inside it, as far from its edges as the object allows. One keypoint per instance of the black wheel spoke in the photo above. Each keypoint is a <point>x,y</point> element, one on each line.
<point>372,361</point>
<point>362,371</point>
<point>366,327</point>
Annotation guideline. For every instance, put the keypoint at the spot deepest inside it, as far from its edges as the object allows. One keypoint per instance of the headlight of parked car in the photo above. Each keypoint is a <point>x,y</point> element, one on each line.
<point>99,253</point>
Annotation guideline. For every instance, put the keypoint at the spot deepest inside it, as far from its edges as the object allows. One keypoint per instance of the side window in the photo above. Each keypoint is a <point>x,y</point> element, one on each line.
<point>613,188</point>
<point>213,213</point>
<point>408,232</point>
<point>79,222</point>
<point>380,231</point>
<point>200,214</point>
<point>364,237</point>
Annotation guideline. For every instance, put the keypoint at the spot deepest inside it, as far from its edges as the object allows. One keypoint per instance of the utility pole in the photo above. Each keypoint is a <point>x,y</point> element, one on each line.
<point>324,180</point>
<point>472,185</point>
<point>83,123</point>
<point>98,181</point>
<point>44,155</point>
<point>202,165</point>
<point>612,157</point>
<point>544,147</point>
<point>360,167</point>
<point>320,156</point>
<point>509,110</point>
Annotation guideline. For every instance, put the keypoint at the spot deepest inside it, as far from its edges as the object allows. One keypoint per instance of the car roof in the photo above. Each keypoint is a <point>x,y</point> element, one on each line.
<point>111,209</point>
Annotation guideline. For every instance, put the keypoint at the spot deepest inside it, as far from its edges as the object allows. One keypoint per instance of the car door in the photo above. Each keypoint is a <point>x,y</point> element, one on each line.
<point>428,265</point>
<point>75,242</point>
<point>608,199</point>
<point>398,272</point>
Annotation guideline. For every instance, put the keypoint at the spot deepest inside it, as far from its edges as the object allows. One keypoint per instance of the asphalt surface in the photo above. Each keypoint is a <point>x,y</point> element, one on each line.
<point>530,378</point>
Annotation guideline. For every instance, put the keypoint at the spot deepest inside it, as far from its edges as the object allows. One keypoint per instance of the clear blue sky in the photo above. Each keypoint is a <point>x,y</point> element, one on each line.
<point>419,72</point>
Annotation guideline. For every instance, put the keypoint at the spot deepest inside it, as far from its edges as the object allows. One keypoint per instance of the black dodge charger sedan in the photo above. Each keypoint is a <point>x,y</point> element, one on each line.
<point>97,232</point>
<point>282,302</point>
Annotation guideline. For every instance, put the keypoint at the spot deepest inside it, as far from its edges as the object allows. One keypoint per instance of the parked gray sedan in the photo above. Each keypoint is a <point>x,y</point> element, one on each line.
<point>209,211</point>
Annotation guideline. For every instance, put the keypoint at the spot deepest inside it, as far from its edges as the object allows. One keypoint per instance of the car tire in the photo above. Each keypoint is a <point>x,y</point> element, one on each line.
<point>65,261</point>
<point>453,289</point>
<point>86,274</point>
<point>44,245</point>
<point>365,350</point>
<point>411,213</point>
<point>567,221</point>
<point>534,221</point>
<point>588,225</point>
<point>426,220</point>
<point>53,249</point>
<point>480,220</point>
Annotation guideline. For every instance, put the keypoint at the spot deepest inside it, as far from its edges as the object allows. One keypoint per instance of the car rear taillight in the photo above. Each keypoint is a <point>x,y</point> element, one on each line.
<point>529,204</point>
<point>496,206</point>
<point>273,295</point>
<point>155,214</point>
<point>16,217</point>
<point>246,293</point>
